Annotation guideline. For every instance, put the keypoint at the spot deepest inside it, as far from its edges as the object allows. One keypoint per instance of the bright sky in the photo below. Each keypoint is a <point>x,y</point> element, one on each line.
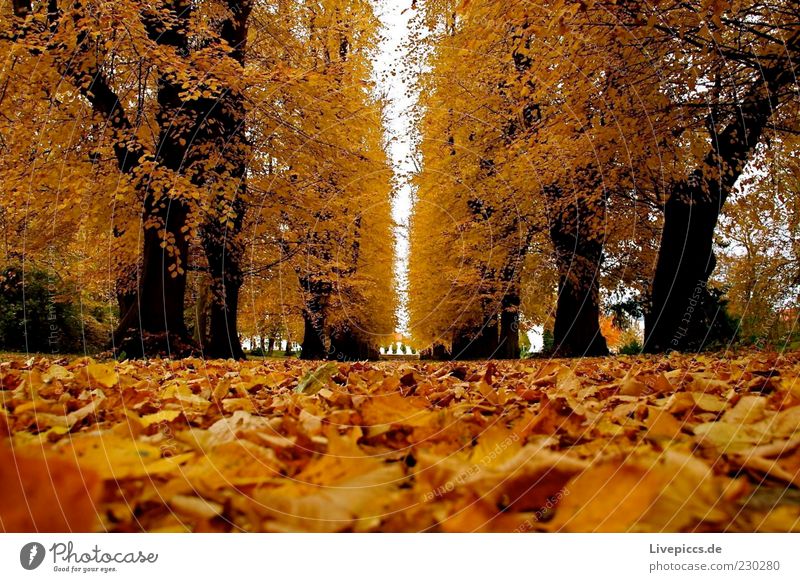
<point>394,83</point>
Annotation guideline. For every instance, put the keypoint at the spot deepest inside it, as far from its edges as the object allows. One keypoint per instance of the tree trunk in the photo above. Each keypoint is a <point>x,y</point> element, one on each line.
<point>270,345</point>
<point>579,255</point>
<point>509,327</point>
<point>224,128</point>
<point>313,347</point>
<point>477,344</point>
<point>686,258</point>
<point>223,341</point>
<point>125,300</point>
<point>224,258</point>
<point>577,329</point>
<point>347,346</point>
<point>436,352</point>
<point>202,312</point>
<point>154,322</point>
<point>685,262</point>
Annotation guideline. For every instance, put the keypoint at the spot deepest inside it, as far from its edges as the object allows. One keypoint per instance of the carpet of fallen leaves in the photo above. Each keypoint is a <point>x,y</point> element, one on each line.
<point>677,443</point>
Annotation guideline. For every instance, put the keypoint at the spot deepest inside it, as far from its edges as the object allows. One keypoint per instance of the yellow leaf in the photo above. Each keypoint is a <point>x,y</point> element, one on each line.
<point>103,374</point>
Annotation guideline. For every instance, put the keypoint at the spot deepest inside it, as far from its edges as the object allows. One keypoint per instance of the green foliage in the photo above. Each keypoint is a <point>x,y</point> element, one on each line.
<point>38,314</point>
<point>632,348</point>
<point>524,345</point>
<point>548,341</point>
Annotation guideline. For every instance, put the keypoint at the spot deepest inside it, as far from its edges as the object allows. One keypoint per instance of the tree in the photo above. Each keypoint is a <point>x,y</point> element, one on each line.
<point>735,63</point>
<point>179,99</point>
<point>475,217</point>
<point>533,108</point>
<point>757,247</point>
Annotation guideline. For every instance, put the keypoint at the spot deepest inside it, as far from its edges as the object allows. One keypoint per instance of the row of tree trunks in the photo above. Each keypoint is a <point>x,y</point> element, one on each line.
<point>436,352</point>
<point>183,147</point>
<point>496,339</point>
<point>344,344</point>
<point>348,346</point>
<point>477,342</point>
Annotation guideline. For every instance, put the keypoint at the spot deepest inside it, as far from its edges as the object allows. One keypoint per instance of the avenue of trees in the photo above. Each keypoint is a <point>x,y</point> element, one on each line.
<point>178,175</point>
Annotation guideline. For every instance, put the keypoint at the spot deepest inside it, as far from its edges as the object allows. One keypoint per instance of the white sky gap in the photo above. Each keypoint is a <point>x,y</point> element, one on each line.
<point>394,82</point>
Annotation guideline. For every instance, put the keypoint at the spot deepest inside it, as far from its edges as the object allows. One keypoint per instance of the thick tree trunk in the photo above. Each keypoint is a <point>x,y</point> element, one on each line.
<point>154,322</point>
<point>577,329</point>
<point>223,341</point>
<point>509,327</point>
<point>685,262</point>
<point>579,255</point>
<point>163,284</point>
<point>313,347</point>
<point>224,263</point>
<point>125,300</point>
<point>435,353</point>
<point>225,128</point>
<point>314,335</point>
<point>226,282</point>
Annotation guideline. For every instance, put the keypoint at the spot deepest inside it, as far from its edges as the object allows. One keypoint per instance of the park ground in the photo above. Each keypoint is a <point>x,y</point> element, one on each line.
<point>706,442</point>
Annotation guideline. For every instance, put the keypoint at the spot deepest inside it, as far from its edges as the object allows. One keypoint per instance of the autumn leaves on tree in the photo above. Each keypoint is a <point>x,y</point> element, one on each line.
<point>219,169</point>
<point>207,127</point>
<point>594,125</point>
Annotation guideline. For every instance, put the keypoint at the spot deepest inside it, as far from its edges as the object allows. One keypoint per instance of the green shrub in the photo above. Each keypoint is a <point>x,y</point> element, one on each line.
<point>632,348</point>
<point>38,313</point>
